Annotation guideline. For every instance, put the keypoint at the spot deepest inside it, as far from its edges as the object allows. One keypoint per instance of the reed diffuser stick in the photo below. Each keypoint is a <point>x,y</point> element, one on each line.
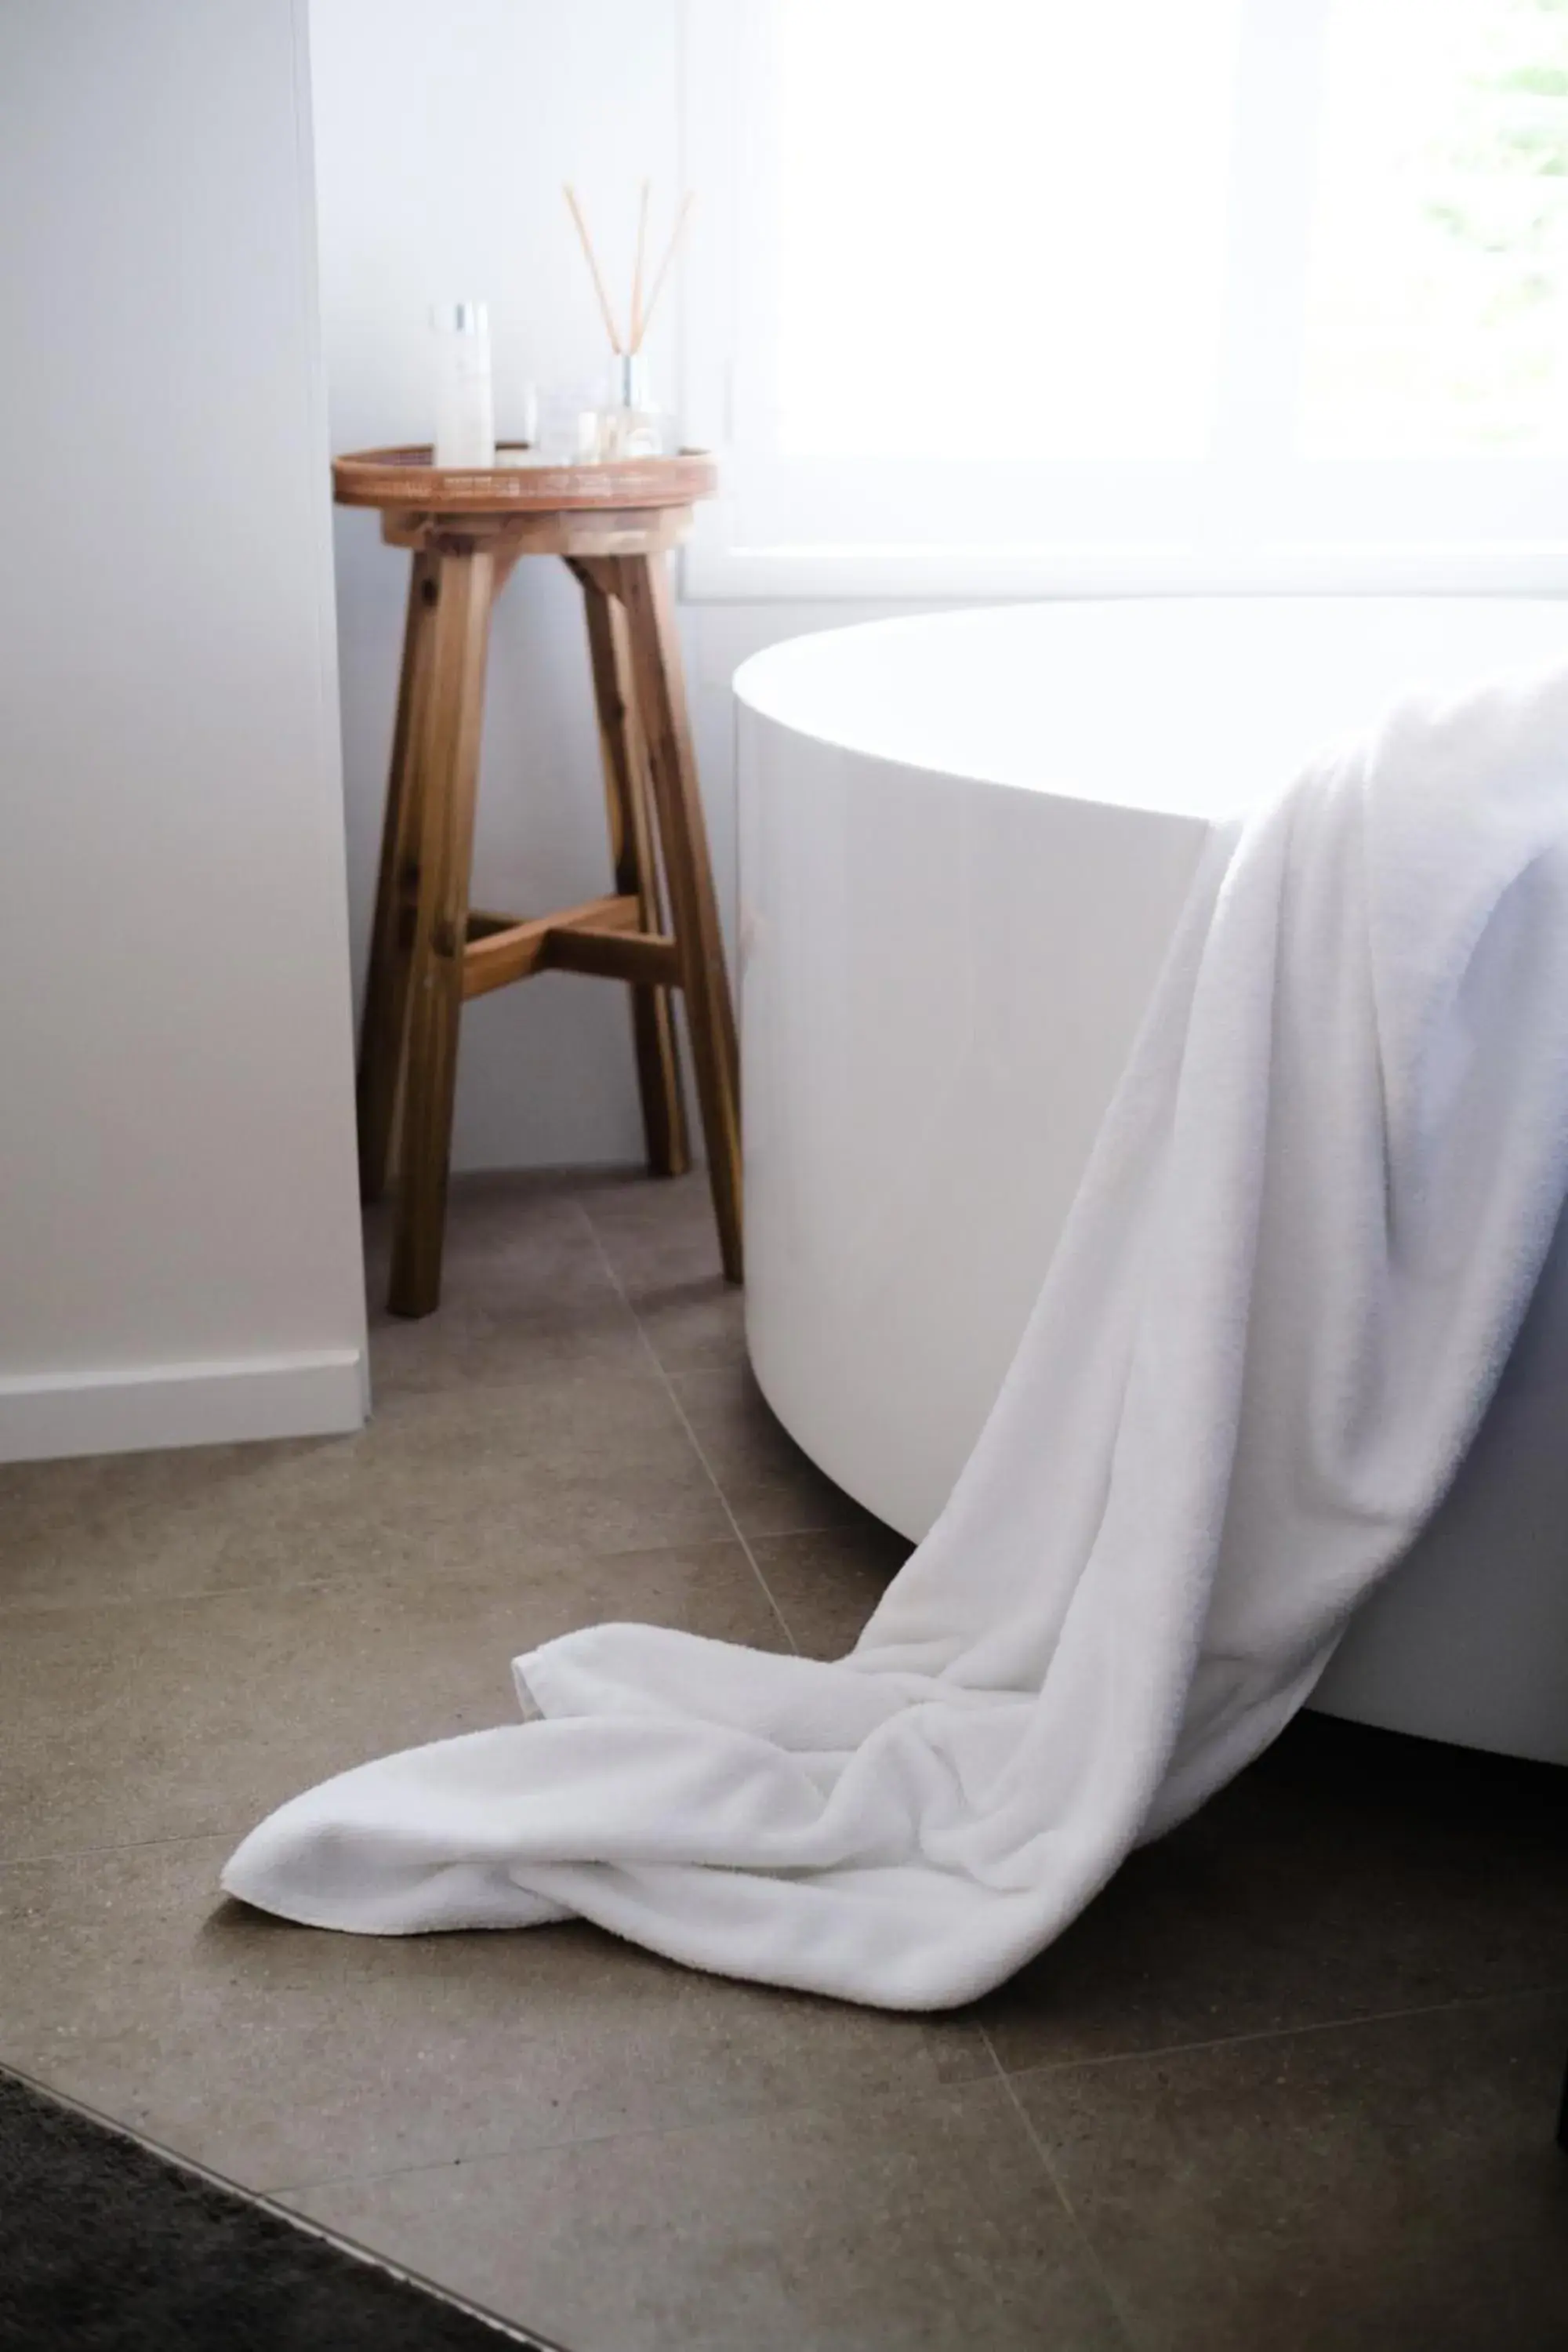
<point>634,333</point>
<point>593,261</point>
<point>682,217</point>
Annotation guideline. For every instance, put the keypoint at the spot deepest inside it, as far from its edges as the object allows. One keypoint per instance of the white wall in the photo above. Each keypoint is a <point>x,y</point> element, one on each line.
<point>178,1227</point>
<point>443,134</point>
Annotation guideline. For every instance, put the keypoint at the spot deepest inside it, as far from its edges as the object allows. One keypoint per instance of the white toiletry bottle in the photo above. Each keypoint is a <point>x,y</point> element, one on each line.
<point>465,411</point>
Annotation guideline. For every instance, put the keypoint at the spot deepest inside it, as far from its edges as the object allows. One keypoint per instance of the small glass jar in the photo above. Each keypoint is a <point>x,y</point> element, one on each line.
<point>568,424</point>
<point>630,425</point>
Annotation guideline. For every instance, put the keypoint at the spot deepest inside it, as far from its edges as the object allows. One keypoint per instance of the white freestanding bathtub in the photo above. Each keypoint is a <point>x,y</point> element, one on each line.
<point>964,842</point>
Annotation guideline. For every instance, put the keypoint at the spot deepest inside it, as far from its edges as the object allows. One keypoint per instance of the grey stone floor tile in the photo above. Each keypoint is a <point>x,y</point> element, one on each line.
<point>647,1218</point>
<point>282,2055</point>
<point>772,1487</point>
<point>960,2050</point>
<point>117,1526</point>
<point>828,1583</point>
<point>659,1238</point>
<point>525,1295</point>
<point>650,2157</point>
<point>485,1478</point>
<point>898,2224</point>
<point>173,1718</point>
<point>586,1463</point>
<point>1391,2187</point>
<point>1348,1873</point>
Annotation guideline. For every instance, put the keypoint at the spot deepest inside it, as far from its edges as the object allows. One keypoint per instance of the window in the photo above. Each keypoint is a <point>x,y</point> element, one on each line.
<point>1028,294</point>
<point>1435,318</point>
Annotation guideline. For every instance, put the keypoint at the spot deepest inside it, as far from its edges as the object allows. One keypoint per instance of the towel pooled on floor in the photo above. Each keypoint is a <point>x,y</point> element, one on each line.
<point>1299,1258</point>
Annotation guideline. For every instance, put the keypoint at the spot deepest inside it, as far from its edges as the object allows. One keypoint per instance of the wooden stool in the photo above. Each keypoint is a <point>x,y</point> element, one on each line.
<point>613,524</point>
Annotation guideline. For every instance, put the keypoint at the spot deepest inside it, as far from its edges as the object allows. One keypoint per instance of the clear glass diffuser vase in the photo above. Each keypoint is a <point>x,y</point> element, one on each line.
<point>629,424</point>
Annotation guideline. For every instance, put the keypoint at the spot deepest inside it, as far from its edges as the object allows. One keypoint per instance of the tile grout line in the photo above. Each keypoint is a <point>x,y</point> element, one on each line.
<point>128,1846</point>
<point>264,2200</point>
<point>679,2128</point>
<point>1134,2334</point>
<point>669,1390</point>
<point>1130,2326</point>
<point>1555,1987</point>
<point>510,2151</point>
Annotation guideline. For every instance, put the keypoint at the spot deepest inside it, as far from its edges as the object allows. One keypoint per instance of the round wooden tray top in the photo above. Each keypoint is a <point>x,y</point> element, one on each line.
<point>406,479</point>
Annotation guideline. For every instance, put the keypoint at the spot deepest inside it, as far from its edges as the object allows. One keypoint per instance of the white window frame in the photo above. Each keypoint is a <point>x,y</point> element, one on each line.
<point>1281,40</point>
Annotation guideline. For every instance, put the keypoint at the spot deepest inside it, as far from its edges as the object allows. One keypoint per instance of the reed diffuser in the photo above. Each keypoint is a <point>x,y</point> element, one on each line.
<point>629,424</point>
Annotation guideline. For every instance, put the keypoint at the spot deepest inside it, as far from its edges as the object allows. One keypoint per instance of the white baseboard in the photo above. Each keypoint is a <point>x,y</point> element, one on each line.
<point>314,1394</point>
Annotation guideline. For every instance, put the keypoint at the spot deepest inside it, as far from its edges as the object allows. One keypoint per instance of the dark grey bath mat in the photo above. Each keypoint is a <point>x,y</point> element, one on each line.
<point>106,2247</point>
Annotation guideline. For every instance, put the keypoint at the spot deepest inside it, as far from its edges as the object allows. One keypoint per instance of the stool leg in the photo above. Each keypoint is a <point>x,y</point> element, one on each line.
<point>637,874</point>
<point>448,763</point>
<point>643,585</point>
<point>386,1016</point>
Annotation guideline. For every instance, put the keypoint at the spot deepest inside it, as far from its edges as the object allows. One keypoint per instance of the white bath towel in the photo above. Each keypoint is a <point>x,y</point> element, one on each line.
<point>1303,1248</point>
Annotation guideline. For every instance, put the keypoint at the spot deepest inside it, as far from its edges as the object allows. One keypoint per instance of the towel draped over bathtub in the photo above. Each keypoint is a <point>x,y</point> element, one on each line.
<point>1303,1247</point>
